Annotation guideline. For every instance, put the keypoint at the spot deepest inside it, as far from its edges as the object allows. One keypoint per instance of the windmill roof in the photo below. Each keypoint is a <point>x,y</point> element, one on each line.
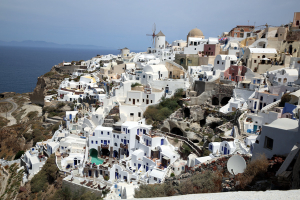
<point>160,34</point>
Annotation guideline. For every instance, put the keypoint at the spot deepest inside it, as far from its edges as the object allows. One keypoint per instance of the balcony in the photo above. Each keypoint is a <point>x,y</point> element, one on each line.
<point>123,146</point>
<point>104,146</point>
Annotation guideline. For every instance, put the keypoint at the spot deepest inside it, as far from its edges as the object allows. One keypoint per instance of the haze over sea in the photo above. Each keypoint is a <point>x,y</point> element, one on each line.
<point>21,66</point>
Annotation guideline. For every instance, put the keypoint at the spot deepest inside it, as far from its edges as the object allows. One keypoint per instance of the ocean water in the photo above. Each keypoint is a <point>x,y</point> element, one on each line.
<point>21,66</point>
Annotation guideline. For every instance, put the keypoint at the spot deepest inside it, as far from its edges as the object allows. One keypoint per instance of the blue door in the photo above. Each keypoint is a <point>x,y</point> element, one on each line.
<point>260,106</point>
<point>254,128</point>
<point>138,132</point>
<point>167,90</point>
<point>225,150</point>
<point>105,142</point>
<point>117,175</point>
<point>162,142</point>
<point>147,142</point>
<point>146,168</point>
<point>124,142</point>
<point>139,165</point>
<point>144,131</point>
<point>70,116</point>
<point>255,105</point>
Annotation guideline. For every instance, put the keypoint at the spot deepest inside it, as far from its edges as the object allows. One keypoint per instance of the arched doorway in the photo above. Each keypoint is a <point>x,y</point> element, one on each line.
<point>215,101</point>
<point>290,49</point>
<point>186,112</point>
<point>177,131</point>
<point>181,61</point>
<point>202,122</point>
<point>224,101</point>
<point>116,154</point>
<point>105,152</point>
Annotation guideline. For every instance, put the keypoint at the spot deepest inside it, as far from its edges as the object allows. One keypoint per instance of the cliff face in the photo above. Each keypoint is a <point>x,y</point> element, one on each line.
<point>48,81</point>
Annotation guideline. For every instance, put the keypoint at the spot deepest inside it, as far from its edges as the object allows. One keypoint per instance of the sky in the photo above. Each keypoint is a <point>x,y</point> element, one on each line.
<point>125,23</point>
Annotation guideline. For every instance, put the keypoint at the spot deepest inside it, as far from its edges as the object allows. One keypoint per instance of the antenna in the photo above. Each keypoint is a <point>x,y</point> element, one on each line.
<point>236,164</point>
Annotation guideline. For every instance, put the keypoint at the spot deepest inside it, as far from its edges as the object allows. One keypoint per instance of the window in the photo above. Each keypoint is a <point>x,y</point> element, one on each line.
<point>147,96</point>
<point>129,99</point>
<point>139,114</point>
<point>274,100</point>
<point>258,56</point>
<point>261,98</point>
<point>254,61</point>
<point>123,129</point>
<point>128,141</point>
<point>92,141</point>
<point>155,178</point>
<point>143,100</point>
<point>108,141</point>
<point>189,61</point>
<point>241,35</point>
<point>116,144</point>
<point>134,164</point>
<point>96,142</point>
<point>101,141</point>
<point>121,140</point>
<point>248,34</point>
<point>114,136</point>
<point>218,62</point>
<point>138,100</point>
<point>268,143</point>
<point>151,101</point>
<point>117,136</point>
<point>143,76</point>
<point>145,154</point>
<point>101,132</point>
<point>128,131</point>
<point>107,133</point>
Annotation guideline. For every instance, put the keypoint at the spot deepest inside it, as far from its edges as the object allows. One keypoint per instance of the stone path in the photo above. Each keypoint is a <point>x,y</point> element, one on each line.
<point>11,119</point>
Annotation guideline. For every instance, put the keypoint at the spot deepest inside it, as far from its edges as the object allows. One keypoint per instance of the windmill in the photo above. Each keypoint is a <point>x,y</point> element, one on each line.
<point>153,34</point>
<point>120,50</point>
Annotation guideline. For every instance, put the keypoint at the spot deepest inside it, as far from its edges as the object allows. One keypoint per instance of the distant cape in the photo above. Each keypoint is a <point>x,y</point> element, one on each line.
<point>31,43</point>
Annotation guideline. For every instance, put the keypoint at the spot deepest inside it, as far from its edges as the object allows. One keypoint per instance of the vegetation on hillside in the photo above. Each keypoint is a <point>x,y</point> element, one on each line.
<point>207,182</point>
<point>136,84</point>
<point>157,113</point>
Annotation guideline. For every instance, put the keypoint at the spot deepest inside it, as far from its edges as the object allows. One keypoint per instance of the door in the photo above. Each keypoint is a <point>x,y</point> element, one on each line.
<point>139,165</point>
<point>167,90</point>
<point>90,173</point>
<point>133,101</point>
<point>255,105</point>
<point>97,175</point>
<point>225,150</point>
<point>138,131</point>
<point>254,128</point>
<point>147,101</point>
<point>147,142</point>
<point>124,142</point>
<point>144,131</point>
<point>146,168</point>
<point>116,174</point>
<point>162,142</point>
<point>70,116</point>
<point>105,142</point>
<point>260,106</point>
<point>75,162</point>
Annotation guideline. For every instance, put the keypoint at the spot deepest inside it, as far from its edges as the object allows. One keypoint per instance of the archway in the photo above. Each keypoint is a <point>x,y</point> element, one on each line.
<point>202,122</point>
<point>116,154</point>
<point>181,61</point>
<point>186,112</point>
<point>105,152</point>
<point>195,141</point>
<point>93,153</point>
<point>224,101</point>
<point>177,131</point>
<point>215,101</point>
<point>290,49</point>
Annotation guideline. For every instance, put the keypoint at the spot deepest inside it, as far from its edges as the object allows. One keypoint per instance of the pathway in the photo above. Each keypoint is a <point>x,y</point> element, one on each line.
<point>11,119</point>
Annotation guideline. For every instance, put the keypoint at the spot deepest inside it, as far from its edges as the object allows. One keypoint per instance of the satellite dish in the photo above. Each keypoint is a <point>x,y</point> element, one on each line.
<point>236,164</point>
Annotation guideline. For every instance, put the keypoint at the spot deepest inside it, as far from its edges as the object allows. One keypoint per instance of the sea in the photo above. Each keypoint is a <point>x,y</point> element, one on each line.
<point>21,66</point>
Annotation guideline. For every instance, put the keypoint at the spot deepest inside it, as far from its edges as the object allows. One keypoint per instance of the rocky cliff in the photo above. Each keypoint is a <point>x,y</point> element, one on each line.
<point>46,82</point>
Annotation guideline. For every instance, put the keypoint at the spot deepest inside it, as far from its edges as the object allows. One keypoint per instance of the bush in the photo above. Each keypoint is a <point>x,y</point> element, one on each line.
<point>149,121</point>
<point>116,118</point>
<point>206,152</point>
<point>186,149</point>
<point>176,140</point>
<point>172,174</point>
<point>218,140</point>
<point>32,114</point>
<point>285,99</point>
<point>106,178</point>
<point>135,84</point>
<point>19,154</point>
<point>255,170</point>
<point>49,74</point>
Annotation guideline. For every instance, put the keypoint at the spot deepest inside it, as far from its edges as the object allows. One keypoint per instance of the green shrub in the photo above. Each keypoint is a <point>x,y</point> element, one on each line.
<point>32,114</point>
<point>206,152</point>
<point>49,74</point>
<point>136,84</point>
<point>218,140</point>
<point>186,149</point>
<point>176,140</point>
<point>19,154</point>
<point>172,174</point>
<point>106,178</point>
